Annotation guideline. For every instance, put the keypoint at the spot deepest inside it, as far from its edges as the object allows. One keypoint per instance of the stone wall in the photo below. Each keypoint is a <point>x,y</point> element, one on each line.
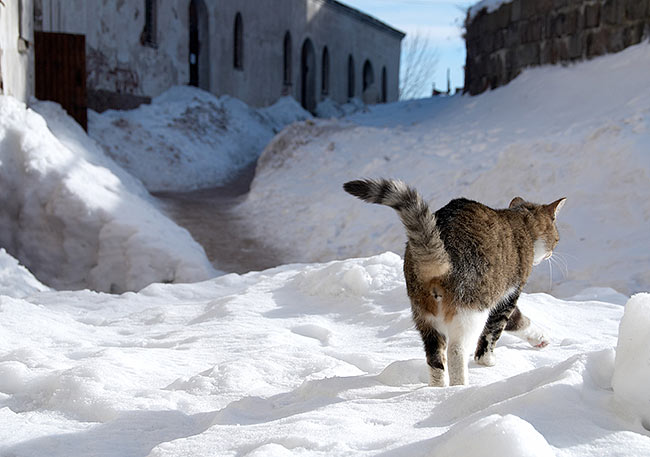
<point>525,33</point>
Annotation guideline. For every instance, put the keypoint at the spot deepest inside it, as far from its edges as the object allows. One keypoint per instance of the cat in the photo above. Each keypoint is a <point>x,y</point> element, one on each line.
<point>465,267</point>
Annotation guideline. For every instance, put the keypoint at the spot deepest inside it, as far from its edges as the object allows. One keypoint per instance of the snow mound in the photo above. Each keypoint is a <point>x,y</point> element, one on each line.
<point>188,139</point>
<point>632,369</point>
<point>72,220</point>
<point>495,436</point>
<point>15,279</point>
<point>328,108</point>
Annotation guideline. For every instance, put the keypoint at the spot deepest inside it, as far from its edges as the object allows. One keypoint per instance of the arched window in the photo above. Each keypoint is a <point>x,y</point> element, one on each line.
<point>287,59</point>
<point>384,87</point>
<point>350,76</point>
<point>238,45</point>
<point>325,72</point>
<point>148,37</point>
<point>368,75</point>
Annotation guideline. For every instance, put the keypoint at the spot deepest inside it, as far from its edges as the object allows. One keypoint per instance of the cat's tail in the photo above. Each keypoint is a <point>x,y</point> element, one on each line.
<point>425,243</point>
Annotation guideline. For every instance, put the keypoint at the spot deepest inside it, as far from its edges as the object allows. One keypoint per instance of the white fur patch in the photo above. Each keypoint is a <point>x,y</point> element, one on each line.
<point>540,252</point>
<point>533,335</point>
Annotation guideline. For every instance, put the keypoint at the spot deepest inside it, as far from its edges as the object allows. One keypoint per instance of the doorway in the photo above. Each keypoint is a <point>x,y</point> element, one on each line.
<point>199,45</point>
<point>308,76</point>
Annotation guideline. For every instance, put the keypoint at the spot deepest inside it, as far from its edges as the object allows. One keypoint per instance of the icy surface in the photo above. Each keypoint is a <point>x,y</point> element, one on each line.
<point>74,218</point>
<point>544,136</point>
<point>632,370</point>
<point>306,360</point>
<point>188,138</point>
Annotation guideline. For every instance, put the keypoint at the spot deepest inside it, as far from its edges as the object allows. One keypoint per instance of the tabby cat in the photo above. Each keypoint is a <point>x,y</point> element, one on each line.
<point>465,267</point>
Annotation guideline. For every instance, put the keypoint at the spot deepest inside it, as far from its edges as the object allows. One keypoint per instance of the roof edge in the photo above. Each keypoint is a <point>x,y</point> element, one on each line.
<point>363,17</point>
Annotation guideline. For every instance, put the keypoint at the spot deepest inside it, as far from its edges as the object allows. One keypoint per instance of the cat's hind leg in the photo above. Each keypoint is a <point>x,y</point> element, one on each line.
<point>494,326</point>
<point>521,326</point>
<point>435,347</point>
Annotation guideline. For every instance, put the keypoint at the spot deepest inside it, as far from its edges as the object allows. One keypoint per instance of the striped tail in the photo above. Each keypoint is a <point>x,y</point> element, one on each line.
<point>425,243</point>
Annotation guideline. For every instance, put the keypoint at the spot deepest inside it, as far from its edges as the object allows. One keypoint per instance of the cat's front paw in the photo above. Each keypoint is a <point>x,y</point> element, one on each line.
<point>488,359</point>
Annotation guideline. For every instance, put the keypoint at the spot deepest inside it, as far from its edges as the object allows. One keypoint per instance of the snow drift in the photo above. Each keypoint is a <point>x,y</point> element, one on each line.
<point>188,139</point>
<point>74,218</point>
<point>552,132</point>
<point>632,370</point>
<point>306,360</point>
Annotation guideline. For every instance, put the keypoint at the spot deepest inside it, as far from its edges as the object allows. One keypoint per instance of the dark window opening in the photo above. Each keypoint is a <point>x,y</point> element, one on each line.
<point>238,47</point>
<point>368,75</point>
<point>350,76</point>
<point>148,37</point>
<point>384,87</point>
<point>325,69</point>
<point>287,59</point>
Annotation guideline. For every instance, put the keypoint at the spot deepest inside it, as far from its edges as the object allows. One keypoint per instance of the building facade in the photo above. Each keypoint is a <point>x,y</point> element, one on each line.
<point>254,50</point>
<point>16,50</point>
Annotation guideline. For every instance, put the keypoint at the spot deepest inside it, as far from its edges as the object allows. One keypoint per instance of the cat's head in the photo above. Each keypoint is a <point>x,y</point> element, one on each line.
<point>542,222</point>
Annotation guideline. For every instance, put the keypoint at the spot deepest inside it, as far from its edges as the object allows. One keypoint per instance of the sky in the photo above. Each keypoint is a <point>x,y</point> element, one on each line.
<point>441,20</point>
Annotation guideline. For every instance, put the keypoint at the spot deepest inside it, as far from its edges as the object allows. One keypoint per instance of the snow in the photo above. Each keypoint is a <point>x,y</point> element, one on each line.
<point>15,279</point>
<point>580,132</point>
<point>488,5</point>
<point>74,218</point>
<point>632,369</point>
<point>305,359</point>
<point>188,139</point>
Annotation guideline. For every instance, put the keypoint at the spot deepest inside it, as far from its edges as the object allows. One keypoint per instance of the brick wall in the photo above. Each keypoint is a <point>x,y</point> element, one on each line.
<point>527,33</point>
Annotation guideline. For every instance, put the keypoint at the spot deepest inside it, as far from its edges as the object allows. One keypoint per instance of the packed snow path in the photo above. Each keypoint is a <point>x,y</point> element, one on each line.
<point>225,234</point>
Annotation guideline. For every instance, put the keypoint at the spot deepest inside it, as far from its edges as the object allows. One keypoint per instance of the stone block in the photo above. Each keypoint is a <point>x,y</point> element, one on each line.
<point>576,47</point>
<point>592,15</point>
<point>615,42</point>
<point>502,16</point>
<point>544,6</point>
<point>545,53</point>
<point>487,43</point>
<point>613,12</point>
<point>500,39</point>
<point>633,34</point>
<point>528,8</point>
<point>560,50</point>
<point>596,43</point>
<point>574,22</point>
<point>558,25</point>
<point>527,55</point>
<point>512,35</point>
<point>636,9</point>
<point>515,10</point>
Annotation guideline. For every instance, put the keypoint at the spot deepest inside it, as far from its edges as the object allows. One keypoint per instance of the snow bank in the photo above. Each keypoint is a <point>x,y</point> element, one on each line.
<point>74,219</point>
<point>15,279</point>
<point>188,139</point>
<point>542,137</point>
<point>309,360</point>
<point>632,371</point>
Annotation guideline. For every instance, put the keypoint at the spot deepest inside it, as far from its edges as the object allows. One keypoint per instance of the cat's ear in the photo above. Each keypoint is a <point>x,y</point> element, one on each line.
<point>517,201</point>
<point>556,206</point>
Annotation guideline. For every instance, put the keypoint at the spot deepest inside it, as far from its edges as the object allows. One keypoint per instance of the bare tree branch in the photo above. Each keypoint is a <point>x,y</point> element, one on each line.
<point>418,63</point>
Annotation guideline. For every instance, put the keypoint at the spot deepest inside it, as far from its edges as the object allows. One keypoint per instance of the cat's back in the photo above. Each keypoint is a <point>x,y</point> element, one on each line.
<point>484,246</point>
